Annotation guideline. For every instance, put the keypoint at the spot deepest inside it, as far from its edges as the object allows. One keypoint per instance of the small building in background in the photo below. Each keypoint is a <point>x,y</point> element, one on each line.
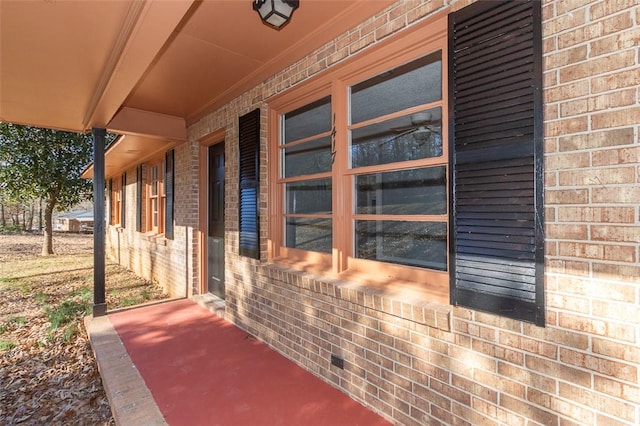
<point>79,221</point>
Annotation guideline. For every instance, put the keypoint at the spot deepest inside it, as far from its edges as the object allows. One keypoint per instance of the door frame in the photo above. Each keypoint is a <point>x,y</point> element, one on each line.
<point>203,206</point>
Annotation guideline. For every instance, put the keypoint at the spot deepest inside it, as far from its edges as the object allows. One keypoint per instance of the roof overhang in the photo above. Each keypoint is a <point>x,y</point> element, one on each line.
<point>144,135</point>
<point>147,69</point>
<point>129,150</point>
<point>71,65</point>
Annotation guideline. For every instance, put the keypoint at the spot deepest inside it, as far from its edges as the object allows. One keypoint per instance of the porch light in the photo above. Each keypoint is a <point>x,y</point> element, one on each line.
<point>275,13</point>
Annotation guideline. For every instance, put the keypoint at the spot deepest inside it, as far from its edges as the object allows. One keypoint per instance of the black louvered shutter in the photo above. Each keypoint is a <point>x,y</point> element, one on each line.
<point>169,194</point>
<point>123,200</point>
<point>249,175</point>
<point>139,198</point>
<point>110,207</point>
<point>495,112</point>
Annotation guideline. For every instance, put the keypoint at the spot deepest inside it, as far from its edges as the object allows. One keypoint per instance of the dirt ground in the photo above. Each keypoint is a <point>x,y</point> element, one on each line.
<point>47,371</point>
<point>24,246</point>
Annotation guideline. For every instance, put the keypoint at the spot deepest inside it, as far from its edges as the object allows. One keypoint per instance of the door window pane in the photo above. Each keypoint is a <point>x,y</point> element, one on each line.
<point>308,197</point>
<point>404,192</point>
<point>308,158</point>
<point>313,234</point>
<point>310,120</point>
<point>421,244</point>
<point>413,84</point>
<point>410,137</point>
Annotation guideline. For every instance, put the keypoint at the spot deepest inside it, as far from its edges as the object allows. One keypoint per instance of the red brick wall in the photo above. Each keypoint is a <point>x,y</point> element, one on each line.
<point>423,363</point>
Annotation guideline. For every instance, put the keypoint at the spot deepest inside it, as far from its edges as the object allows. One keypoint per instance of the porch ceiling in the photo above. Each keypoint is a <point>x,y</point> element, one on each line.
<point>74,65</point>
<point>128,150</point>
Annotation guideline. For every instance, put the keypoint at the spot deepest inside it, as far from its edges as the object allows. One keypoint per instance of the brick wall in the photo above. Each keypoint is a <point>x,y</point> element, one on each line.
<point>171,263</point>
<point>422,363</point>
<point>592,119</point>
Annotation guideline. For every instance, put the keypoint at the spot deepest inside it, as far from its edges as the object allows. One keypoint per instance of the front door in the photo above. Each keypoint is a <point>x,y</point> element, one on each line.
<point>215,237</point>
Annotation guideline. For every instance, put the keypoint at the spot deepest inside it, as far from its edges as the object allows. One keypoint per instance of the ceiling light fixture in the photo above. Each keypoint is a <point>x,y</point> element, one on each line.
<point>275,13</point>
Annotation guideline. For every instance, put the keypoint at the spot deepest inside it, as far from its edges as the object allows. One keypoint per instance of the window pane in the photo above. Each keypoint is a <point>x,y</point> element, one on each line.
<point>308,158</point>
<point>415,191</point>
<point>411,137</point>
<point>308,234</point>
<point>308,197</point>
<point>154,212</point>
<point>416,83</point>
<point>307,121</point>
<point>154,180</point>
<point>421,244</point>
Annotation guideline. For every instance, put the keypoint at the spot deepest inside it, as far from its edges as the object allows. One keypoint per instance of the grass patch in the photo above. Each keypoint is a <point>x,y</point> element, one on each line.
<point>37,267</point>
<point>59,288</point>
<point>44,328</point>
<point>41,298</point>
<point>85,293</point>
<point>66,312</point>
<point>6,345</point>
<point>129,301</point>
<point>17,320</point>
<point>7,283</point>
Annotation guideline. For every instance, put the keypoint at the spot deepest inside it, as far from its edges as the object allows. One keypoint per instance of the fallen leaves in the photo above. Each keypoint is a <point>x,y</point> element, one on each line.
<point>48,374</point>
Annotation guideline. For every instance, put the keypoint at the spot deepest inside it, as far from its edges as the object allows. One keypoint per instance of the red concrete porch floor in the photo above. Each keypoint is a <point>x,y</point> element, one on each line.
<point>177,363</point>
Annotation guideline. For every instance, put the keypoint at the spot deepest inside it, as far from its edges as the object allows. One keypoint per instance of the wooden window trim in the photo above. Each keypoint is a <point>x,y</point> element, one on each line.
<point>110,200</point>
<point>116,201</point>
<point>139,198</point>
<point>420,40</point>
<point>158,227</point>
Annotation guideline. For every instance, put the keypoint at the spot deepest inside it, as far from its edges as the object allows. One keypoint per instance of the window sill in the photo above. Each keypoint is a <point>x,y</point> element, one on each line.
<point>406,300</point>
<point>157,239</point>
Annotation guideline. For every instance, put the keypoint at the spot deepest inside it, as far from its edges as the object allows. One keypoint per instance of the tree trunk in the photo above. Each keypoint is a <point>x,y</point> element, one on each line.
<point>4,219</point>
<point>47,245</point>
<point>32,211</point>
<point>40,224</point>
